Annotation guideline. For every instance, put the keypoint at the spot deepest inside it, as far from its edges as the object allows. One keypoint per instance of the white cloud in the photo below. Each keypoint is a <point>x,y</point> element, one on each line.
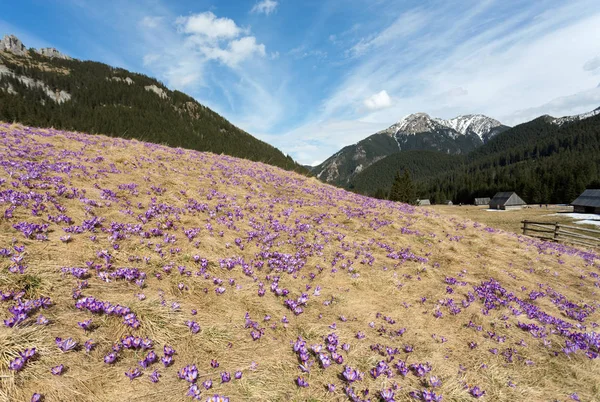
<point>219,39</point>
<point>237,51</point>
<point>265,7</point>
<point>380,100</point>
<point>209,26</point>
<point>578,103</point>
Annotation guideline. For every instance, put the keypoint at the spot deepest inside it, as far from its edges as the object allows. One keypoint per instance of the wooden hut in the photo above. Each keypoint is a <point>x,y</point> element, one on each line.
<point>506,200</point>
<point>482,201</point>
<point>588,202</point>
<point>423,202</point>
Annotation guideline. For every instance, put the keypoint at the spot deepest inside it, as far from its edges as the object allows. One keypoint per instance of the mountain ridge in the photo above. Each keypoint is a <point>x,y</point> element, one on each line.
<point>414,132</point>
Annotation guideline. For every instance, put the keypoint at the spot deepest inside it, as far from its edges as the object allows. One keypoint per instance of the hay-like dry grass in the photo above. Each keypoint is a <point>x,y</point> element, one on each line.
<point>340,242</point>
<point>510,220</point>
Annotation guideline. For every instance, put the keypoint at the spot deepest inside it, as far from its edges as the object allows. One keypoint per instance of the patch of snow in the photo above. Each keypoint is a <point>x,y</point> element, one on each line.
<point>579,216</point>
<point>568,119</point>
<point>472,123</point>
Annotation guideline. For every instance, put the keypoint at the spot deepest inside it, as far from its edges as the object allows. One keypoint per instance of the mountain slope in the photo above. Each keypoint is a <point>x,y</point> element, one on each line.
<point>421,165</point>
<point>48,89</point>
<point>416,132</point>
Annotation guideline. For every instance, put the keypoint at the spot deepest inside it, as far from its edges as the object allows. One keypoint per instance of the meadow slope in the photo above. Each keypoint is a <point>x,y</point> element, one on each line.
<point>208,275</point>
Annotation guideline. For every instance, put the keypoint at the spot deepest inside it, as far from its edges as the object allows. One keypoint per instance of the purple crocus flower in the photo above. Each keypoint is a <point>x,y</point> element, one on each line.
<point>110,358</point>
<point>89,345</point>
<point>133,373</point>
<point>154,377</point>
<point>330,387</point>
<point>425,396</point>
<point>237,375</point>
<point>387,395</point>
<point>169,351</point>
<point>207,384</point>
<point>350,374</point>
<point>37,397</point>
<point>193,326</point>
<point>85,325</point>
<point>189,373</point>
<point>167,360</point>
<point>194,392</point>
<point>214,363</point>
<point>149,359</point>
<point>225,377</point>
<point>301,382</point>
<point>57,370</point>
<point>476,392</point>
<point>435,382</point>
<point>28,353</point>
<point>41,320</point>
<point>218,398</point>
<point>66,344</point>
<point>17,364</point>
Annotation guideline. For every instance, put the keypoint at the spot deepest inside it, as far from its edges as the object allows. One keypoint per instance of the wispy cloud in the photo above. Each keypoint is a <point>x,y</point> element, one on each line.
<point>378,101</point>
<point>265,7</point>
<point>492,60</point>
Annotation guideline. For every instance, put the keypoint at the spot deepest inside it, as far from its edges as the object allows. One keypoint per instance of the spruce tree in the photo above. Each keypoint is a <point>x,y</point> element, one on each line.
<point>403,188</point>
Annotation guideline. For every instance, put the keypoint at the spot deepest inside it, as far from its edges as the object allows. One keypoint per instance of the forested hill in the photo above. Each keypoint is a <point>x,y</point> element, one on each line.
<point>93,97</point>
<point>543,161</point>
<point>378,177</point>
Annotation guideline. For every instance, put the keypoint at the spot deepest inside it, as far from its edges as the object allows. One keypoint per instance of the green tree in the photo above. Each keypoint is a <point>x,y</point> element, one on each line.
<point>403,188</point>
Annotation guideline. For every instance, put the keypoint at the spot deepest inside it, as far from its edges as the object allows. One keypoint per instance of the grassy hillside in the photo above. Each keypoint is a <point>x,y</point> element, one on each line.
<point>117,102</point>
<point>271,285</point>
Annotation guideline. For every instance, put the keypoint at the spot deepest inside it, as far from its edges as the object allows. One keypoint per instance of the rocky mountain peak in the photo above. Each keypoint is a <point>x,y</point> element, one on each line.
<point>477,124</point>
<point>413,124</point>
<point>12,44</point>
<point>52,52</point>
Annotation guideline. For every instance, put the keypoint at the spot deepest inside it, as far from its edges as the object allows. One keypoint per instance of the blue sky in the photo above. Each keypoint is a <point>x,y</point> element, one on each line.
<point>311,76</point>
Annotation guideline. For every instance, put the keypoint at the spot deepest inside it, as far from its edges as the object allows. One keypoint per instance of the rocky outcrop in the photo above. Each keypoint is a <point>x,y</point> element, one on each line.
<point>12,44</point>
<point>126,80</point>
<point>57,95</point>
<point>52,52</point>
<point>159,91</point>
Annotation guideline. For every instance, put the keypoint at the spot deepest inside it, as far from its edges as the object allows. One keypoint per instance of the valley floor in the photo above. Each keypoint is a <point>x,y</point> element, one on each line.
<point>511,220</point>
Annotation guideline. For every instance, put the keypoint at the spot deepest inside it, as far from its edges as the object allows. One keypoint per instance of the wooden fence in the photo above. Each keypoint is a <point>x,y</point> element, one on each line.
<point>562,233</point>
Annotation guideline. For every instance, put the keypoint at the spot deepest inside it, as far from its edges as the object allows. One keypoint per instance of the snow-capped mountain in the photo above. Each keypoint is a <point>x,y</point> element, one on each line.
<point>569,119</point>
<point>484,127</point>
<point>417,131</point>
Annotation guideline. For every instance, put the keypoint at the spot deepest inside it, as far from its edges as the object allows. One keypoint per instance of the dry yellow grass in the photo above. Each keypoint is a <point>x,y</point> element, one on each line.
<point>272,202</point>
<point>509,220</point>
